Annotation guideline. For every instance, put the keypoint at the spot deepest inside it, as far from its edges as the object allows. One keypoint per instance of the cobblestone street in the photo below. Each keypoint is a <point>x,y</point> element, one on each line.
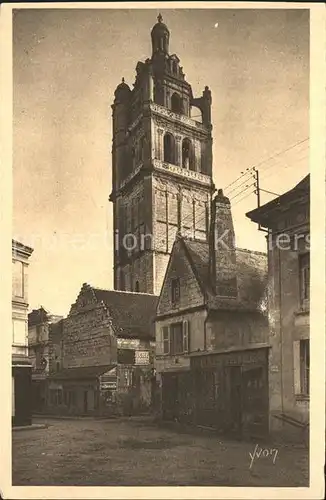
<point>126,452</point>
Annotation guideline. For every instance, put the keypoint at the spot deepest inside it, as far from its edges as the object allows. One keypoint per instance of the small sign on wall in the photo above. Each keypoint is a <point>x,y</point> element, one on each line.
<point>142,358</point>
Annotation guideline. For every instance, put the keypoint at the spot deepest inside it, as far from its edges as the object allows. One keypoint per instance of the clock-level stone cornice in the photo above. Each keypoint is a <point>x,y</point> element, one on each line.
<point>164,168</point>
<point>182,173</point>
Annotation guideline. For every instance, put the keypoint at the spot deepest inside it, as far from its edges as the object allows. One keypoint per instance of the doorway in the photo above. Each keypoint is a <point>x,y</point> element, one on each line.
<point>235,400</point>
<point>255,401</point>
<point>170,396</point>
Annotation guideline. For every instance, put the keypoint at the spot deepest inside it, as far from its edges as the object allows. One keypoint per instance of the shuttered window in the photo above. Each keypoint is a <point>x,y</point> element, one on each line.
<point>166,339</point>
<point>304,268</point>
<point>186,336</point>
<point>176,338</point>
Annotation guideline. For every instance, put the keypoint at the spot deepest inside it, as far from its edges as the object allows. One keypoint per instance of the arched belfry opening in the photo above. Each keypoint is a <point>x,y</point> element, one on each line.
<point>137,286</point>
<point>187,155</point>
<point>169,148</point>
<point>176,103</point>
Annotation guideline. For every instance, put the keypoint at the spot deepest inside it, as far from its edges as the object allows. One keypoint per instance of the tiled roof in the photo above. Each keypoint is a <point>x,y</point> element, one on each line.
<point>301,190</point>
<point>251,276</point>
<point>132,313</point>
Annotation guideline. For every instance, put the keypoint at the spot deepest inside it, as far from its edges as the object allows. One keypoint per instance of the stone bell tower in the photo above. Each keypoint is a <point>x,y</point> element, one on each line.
<point>161,167</point>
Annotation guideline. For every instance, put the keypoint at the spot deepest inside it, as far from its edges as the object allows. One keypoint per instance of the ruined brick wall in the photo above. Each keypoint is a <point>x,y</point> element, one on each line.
<point>88,338</point>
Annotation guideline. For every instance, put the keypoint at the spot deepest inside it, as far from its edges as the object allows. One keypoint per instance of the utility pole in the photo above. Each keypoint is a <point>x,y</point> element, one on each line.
<point>257,190</point>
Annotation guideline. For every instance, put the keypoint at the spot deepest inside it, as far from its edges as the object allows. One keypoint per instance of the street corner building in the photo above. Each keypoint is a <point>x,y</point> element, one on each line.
<point>21,366</point>
<point>106,350</point>
<point>161,166</point>
<point>287,222</point>
<point>212,332</point>
<point>44,348</point>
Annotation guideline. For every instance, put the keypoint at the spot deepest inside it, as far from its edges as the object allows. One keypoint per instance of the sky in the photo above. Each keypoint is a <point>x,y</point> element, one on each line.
<point>66,66</point>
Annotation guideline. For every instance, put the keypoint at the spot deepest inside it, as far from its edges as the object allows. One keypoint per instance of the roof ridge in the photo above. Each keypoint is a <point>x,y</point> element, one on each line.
<point>257,252</point>
<point>122,291</point>
<point>193,239</point>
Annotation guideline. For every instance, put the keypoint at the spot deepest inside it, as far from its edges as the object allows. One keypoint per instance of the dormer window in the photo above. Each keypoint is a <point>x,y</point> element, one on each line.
<point>175,290</point>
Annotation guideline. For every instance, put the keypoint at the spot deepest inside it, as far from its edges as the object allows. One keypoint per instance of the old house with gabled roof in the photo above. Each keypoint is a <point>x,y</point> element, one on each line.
<point>286,219</point>
<point>21,410</point>
<point>42,352</point>
<point>212,331</point>
<point>108,344</point>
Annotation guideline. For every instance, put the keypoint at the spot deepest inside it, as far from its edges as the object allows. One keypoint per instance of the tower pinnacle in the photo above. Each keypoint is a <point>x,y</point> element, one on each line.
<point>160,37</point>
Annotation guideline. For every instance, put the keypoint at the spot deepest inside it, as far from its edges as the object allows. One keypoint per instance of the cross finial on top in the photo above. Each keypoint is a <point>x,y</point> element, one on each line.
<point>123,80</point>
<point>160,18</point>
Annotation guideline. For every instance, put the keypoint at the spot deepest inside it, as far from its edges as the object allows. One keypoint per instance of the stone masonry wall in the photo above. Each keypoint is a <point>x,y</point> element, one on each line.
<point>89,339</point>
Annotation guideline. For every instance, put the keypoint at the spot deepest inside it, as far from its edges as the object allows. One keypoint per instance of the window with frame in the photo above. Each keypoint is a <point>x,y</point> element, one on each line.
<point>175,338</point>
<point>304,277</point>
<point>17,278</point>
<point>304,366</point>
<point>175,290</point>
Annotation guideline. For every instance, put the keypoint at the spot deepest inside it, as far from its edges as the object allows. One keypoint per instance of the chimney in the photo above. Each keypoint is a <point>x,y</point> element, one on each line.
<point>222,258</point>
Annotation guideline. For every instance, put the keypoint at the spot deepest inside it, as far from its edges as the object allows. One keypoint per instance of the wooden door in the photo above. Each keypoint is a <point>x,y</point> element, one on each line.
<point>235,400</point>
<point>170,396</point>
<point>255,401</point>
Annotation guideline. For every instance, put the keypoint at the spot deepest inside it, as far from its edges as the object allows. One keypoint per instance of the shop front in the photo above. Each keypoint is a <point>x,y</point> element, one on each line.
<point>230,391</point>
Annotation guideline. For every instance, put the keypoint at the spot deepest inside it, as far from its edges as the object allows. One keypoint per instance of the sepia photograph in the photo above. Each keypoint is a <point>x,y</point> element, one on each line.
<point>161,220</point>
